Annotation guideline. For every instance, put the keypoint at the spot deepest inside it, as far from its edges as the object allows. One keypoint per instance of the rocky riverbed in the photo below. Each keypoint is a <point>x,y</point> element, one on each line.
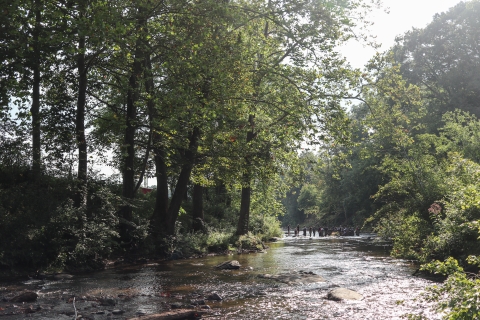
<point>296,278</point>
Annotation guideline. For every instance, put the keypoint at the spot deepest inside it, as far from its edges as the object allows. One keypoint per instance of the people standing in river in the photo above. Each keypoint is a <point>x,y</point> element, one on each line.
<point>304,231</point>
<point>313,229</point>
<point>310,231</point>
<point>298,229</point>
<point>288,230</point>
<point>326,231</point>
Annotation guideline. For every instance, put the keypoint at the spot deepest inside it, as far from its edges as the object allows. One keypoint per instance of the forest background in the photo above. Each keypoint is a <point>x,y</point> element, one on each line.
<point>214,101</point>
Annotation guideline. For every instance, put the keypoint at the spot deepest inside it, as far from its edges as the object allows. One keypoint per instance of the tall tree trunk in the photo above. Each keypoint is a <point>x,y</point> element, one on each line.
<point>197,207</point>
<point>182,182</point>
<point>165,215</point>
<point>81,196</point>
<point>129,141</point>
<point>160,211</point>
<point>159,215</point>
<point>35,108</point>
<point>244,215</point>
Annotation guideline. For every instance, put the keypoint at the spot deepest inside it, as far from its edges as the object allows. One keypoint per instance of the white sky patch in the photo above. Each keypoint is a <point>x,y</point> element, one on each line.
<point>403,16</point>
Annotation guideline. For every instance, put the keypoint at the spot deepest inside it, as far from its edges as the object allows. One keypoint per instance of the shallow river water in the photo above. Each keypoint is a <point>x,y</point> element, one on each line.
<point>357,263</point>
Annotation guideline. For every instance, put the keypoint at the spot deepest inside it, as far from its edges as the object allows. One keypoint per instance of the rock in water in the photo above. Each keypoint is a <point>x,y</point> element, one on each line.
<point>232,264</point>
<point>343,294</point>
<point>118,312</point>
<point>176,255</point>
<point>214,296</point>
<point>294,277</point>
<point>27,296</point>
<point>107,302</point>
<point>62,276</point>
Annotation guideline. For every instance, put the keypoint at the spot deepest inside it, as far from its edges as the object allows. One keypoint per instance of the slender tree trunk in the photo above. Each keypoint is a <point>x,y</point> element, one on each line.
<point>129,140</point>
<point>244,215</point>
<point>145,162</point>
<point>35,108</point>
<point>159,217</point>
<point>81,197</point>
<point>197,207</point>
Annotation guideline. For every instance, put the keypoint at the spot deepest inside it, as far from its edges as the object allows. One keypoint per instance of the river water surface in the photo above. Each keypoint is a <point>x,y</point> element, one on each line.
<point>389,290</point>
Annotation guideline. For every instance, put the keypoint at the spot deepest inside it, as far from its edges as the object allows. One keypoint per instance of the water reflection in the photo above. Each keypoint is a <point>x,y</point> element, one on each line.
<point>352,262</point>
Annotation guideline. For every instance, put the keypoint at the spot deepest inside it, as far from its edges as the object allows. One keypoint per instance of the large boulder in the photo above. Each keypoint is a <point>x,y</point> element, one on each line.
<point>230,265</point>
<point>338,294</point>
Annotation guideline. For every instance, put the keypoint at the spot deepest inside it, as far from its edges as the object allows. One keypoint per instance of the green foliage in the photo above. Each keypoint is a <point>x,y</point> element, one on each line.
<point>249,241</point>
<point>41,228</point>
<point>308,200</point>
<point>84,236</point>
<point>198,243</point>
<point>265,226</point>
<point>456,222</point>
<point>437,58</point>
<point>407,233</point>
<point>459,296</point>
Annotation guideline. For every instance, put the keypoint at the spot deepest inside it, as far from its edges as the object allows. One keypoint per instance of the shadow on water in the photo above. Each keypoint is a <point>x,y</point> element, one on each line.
<point>356,263</point>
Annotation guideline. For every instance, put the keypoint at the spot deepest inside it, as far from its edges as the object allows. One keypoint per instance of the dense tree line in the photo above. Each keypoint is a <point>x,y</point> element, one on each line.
<point>411,137</point>
<point>211,99</point>
<point>411,169</point>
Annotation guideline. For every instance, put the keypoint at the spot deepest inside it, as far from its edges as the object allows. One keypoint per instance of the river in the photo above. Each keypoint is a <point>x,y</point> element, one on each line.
<point>358,263</point>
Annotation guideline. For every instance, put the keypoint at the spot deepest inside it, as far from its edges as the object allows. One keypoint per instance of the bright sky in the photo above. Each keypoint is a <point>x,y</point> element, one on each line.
<point>404,14</point>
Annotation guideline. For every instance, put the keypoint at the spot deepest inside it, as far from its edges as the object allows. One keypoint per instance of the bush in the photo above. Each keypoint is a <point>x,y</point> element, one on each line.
<point>249,241</point>
<point>87,234</point>
<point>455,219</point>
<point>265,227</point>
<point>40,228</point>
<point>211,240</point>
<point>459,296</point>
<point>408,233</point>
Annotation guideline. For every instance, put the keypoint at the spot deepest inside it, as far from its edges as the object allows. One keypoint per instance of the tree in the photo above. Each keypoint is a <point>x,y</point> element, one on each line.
<point>27,52</point>
<point>197,92</point>
<point>295,52</point>
<point>443,60</point>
